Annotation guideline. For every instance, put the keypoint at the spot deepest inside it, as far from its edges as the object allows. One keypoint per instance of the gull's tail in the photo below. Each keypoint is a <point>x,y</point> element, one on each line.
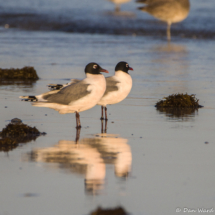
<point>28,98</point>
<point>60,86</point>
<point>55,86</point>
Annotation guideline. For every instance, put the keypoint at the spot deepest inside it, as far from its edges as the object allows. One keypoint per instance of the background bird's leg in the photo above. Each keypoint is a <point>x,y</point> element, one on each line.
<point>168,31</point>
<point>102,113</point>
<point>78,131</point>
<point>106,113</point>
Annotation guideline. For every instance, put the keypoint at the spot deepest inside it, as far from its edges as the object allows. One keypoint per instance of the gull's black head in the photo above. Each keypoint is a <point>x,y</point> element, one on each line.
<point>123,66</point>
<point>94,68</point>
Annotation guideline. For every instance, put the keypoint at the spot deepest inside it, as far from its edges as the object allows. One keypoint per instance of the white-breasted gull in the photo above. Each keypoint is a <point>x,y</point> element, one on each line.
<point>118,87</point>
<point>75,97</point>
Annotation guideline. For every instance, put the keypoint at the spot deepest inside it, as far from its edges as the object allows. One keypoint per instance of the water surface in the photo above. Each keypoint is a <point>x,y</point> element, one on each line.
<point>149,162</point>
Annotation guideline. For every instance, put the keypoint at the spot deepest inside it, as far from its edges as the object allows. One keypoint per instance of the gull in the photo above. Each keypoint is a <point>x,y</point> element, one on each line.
<point>75,97</point>
<point>169,11</point>
<point>118,87</point>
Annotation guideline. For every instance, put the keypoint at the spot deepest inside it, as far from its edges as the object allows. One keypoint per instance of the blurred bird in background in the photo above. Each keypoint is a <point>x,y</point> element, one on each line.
<point>118,3</point>
<point>169,11</point>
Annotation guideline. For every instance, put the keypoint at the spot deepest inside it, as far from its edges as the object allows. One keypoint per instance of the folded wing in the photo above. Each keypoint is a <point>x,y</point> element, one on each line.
<point>111,85</point>
<point>68,94</point>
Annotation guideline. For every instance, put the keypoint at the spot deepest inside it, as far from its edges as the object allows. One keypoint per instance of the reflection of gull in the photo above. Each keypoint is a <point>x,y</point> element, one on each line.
<point>172,55</point>
<point>79,158</point>
<point>114,150</point>
<point>118,3</point>
<point>170,11</point>
<point>170,48</point>
<point>88,157</point>
<point>171,60</point>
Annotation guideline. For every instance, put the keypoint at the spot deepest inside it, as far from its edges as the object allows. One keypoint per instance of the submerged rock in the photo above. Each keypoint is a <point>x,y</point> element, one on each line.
<point>26,73</point>
<point>17,132</point>
<point>179,101</point>
<point>115,211</point>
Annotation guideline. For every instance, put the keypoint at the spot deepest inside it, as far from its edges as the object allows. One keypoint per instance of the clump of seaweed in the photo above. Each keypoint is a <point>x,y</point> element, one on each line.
<point>7,144</point>
<point>17,132</point>
<point>26,73</point>
<point>115,211</point>
<point>179,101</point>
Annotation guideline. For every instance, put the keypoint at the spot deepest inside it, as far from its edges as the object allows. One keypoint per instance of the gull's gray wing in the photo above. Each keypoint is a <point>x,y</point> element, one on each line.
<point>68,94</point>
<point>111,85</point>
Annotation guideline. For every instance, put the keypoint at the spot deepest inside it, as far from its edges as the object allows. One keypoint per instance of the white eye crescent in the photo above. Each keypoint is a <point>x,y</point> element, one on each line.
<point>127,65</point>
<point>94,66</point>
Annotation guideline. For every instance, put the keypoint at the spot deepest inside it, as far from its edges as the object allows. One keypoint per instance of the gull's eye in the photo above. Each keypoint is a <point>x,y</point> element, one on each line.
<point>95,66</point>
<point>127,65</point>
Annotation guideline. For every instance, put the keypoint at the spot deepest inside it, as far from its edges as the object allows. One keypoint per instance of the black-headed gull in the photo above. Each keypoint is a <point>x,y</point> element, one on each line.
<point>75,97</point>
<point>118,87</point>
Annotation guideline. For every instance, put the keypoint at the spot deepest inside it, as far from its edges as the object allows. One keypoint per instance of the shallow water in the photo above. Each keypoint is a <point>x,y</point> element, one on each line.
<point>148,162</point>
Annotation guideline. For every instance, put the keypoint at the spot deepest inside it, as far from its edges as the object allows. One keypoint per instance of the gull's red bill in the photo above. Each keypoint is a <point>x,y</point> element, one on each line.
<point>104,70</point>
<point>130,68</point>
